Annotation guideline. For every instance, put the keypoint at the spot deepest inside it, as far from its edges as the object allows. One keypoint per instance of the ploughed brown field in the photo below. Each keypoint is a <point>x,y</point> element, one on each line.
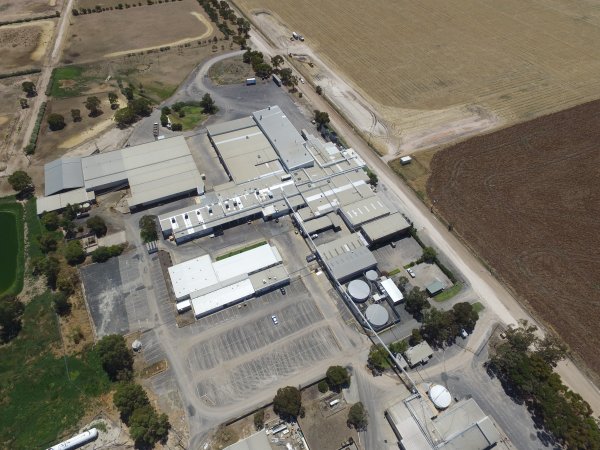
<point>527,200</point>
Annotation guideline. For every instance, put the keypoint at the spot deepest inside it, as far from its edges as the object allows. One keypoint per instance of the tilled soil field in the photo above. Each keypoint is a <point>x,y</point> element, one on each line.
<point>527,200</point>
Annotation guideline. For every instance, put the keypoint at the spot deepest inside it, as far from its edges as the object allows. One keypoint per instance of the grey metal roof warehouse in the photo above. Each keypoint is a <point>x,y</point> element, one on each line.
<point>385,227</point>
<point>258,441</point>
<point>62,174</point>
<point>363,211</point>
<point>284,137</point>
<point>154,171</point>
<point>347,257</point>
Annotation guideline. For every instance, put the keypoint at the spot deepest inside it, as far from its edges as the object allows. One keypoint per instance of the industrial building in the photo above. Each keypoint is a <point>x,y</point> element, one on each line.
<point>435,288</point>
<point>418,354</point>
<point>362,211</point>
<point>385,229</point>
<point>464,426</point>
<point>208,286</point>
<point>347,257</point>
<point>258,441</point>
<point>154,172</point>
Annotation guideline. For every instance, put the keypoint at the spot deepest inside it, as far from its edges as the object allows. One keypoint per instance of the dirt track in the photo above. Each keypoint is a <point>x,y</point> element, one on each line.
<point>526,199</point>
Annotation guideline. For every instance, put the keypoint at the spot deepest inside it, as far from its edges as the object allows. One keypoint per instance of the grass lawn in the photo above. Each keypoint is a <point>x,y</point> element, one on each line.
<point>193,116</point>
<point>70,81</point>
<point>40,400</point>
<point>12,264</point>
<point>447,294</point>
<point>34,228</point>
<point>241,250</point>
<point>417,172</point>
<point>158,91</point>
<point>396,271</point>
<point>478,307</point>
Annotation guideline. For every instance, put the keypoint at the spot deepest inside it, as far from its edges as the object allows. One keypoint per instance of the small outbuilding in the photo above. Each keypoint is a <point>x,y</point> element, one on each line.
<point>419,354</point>
<point>435,288</point>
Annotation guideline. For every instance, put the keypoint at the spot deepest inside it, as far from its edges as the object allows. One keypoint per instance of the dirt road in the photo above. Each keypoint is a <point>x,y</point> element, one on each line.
<point>47,70</point>
<point>489,289</point>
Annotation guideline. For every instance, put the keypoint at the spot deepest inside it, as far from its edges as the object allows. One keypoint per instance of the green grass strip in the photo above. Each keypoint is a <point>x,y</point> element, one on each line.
<point>9,206</point>
<point>241,250</point>
<point>448,293</point>
<point>396,271</point>
<point>478,307</point>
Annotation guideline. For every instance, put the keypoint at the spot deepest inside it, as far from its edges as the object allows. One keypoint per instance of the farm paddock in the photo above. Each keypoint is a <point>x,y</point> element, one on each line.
<point>110,33</point>
<point>24,45</point>
<point>526,199</point>
<point>436,72</point>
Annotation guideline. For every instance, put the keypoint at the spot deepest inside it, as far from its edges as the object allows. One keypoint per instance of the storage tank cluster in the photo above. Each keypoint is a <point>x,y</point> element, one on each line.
<point>359,291</point>
<point>377,315</point>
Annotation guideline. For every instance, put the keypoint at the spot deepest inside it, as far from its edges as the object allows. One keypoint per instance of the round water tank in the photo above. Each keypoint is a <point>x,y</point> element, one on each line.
<point>440,396</point>
<point>371,275</point>
<point>359,290</point>
<point>377,315</point>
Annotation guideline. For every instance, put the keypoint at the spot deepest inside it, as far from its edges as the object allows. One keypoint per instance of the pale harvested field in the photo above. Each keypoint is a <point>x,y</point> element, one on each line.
<point>18,9</point>
<point>23,45</point>
<point>476,60</point>
<point>95,36</point>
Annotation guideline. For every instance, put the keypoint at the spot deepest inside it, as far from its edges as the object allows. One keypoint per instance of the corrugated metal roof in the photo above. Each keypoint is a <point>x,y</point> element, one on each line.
<point>364,210</point>
<point>258,441</point>
<point>232,125</point>
<point>385,227</point>
<point>61,174</point>
<point>60,201</point>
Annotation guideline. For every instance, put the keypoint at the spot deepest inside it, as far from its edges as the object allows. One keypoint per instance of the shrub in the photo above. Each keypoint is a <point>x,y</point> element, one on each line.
<point>61,305</point>
<point>97,225</point>
<point>74,253</point>
<point>259,419</point>
<point>116,358</point>
<point>102,254</point>
<point>323,386</point>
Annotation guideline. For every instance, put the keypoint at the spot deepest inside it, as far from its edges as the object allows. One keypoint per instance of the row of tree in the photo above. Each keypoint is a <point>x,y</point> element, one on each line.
<point>146,425</point>
<point>525,364</point>
<point>92,104</point>
<point>120,6</point>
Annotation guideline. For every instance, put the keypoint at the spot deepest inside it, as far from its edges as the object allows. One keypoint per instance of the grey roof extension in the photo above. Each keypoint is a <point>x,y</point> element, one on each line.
<point>62,174</point>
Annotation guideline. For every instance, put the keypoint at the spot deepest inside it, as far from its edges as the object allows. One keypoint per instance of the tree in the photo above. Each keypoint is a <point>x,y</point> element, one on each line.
<point>56,122</point>
<point>51,220</point>
<point>398,347</point>
<point>164,120</point>
<point>20,181</point>
<point>551,349</point>
<point>71,211</point>
<point>29,88</point>
<point>103,254</point>
<point>429,255</point>
<point>67,280</point>
<point>47,266</point>
<point>128,93</point>
<point>76,115</point>
<point>176,127</point>
<point>208,104</point>
<point>140,107</point>
<point>60,303</point>
<point>438,327</point>
<point>277,61</point>
<point>373,178</point>
<point>337,377</point>
<point>74,253</point>
<point>113,99</point>
<point>323,386</point>
<point>92,104</point>
<point>96,225</point>
<point>263,70</point>
<point>11,310</point>
<point>285,75</point>
<point>321,117</point>
<point>23,102</point>
<point>124,117</point>
<point>416,302</point>
<point>464,315</point>
<point>402,282</point>
<point>128,397</point>
<point>146,427</point>
<point>319,90</point>
<point>415,337</point>
<point>287,403</point>
<point>148,231</point>
<point>259,419</point>
<point>47,242</point>
<point>165,110</point>
<point>358,417</point>
<point>116,358</point>
<point>378,358</point>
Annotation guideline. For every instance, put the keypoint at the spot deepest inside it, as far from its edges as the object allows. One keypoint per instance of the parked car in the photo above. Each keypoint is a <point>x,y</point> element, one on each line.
<point>463,333</point>
<point>274,319</point>
<point>411,272</point>
<point>282,290</point>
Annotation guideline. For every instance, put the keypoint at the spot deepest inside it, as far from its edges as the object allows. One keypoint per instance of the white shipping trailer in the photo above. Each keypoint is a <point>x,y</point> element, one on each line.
<point>77,441</point>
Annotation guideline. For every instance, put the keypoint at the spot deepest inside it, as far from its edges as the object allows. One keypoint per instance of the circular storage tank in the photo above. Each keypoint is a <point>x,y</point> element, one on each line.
<point>377,315</point>
<point>440,396</point>
<point>359,290</point>
<point>371,275</point>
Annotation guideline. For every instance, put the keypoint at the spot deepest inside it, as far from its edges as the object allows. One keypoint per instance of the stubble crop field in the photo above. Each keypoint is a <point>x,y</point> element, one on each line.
<point>526,199</point>
<point>441,63</point>
<point>118,32</point>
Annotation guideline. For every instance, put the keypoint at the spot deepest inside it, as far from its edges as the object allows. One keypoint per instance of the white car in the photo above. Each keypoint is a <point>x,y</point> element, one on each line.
<point>463,333</point>
<point>411,272</point>
<point>302,80</point>
<point>274,319</point>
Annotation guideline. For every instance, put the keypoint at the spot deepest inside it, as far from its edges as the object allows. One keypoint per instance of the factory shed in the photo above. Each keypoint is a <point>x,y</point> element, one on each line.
<point>258,441</point>
<point>317,225</point>
<point>420,353</point>
<point>284,138</point>
<point>62,175</point>
<point>385,229</point>
<point>60,201</point>
<point>347,257</point>
<point>394,294</point>
<point>229,126</point>
<point>435,288</point>
<point>358,213</point>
